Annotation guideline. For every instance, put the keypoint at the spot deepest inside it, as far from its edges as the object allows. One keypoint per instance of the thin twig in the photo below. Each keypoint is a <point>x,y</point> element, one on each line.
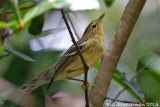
<point>118,94</point>
<point>4,56</point>
<point>80,54</point>
<point>6,34</point>
<point>73,26</point>
<point>22,8</point>
<point>134,77</point>
<point>124,101</point>
<point>142,69</point>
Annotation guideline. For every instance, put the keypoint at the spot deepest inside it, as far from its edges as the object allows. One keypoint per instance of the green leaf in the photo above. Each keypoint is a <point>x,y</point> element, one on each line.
<point>40,97</point>
<point>4,9</point>
<point>10,5</point>
<point>1,101</point>
<point>127,85</point>
<point>97,65</point>
<point>134,86</point>
<point>42,7</point>
<point>51,31</point>
<point>19,70</point>
<point>108,2</point>
<point>4,25</point>
<point>21,3</point>
<point>152,62</point>
<point>13,4</point>
<point>36,25</point>
<point>150,83</point>
<point>8,103</point>
<point>18,54</point>
<point>149,78</point>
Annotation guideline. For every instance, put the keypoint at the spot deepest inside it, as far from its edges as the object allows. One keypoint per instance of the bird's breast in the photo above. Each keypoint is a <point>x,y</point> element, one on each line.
<point>92,52</point>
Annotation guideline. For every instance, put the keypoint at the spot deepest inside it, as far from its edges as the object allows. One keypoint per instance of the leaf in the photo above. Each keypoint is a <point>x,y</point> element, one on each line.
<point>4,25</point>
<point>152,62</point>
<point>150,83</point>
<point>20,4</point>
<point>117,77</point>
<point>4,9</point>
<point>97,65</point>
<point>18,54</point>
<point>149,77</point>
<point>1,101</point>
<point>108,2</point>
<point>18,70</point>
<point>13,4</point>
<point>134,86</point>
<point>10,5</point>
<point>8,103</point>
<point>128,86</point>
<point>42,7</point>
<point>51,31</point>
<point>36,25</point>
<point>40,97</point>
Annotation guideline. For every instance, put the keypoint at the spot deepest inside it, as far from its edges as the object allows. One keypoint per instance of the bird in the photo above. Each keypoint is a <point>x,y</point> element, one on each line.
<point>91,46</point>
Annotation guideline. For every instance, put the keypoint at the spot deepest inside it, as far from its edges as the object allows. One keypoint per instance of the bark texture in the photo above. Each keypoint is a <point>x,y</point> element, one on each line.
<point>113,53</point>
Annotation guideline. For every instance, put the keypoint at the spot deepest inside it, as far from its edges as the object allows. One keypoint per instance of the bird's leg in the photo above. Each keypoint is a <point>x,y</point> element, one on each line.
<point>84,69</point>
<point>83,85</point>
<point>70,78</point>
<point>70,71</point>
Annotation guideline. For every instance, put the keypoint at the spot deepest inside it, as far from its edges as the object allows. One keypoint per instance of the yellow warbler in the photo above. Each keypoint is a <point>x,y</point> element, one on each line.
<point>69,65</point>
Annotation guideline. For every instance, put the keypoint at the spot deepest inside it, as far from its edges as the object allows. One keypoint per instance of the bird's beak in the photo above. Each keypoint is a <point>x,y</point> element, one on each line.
<point>101,17</point>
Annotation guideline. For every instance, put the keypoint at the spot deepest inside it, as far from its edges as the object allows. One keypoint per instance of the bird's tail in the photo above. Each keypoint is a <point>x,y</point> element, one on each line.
<point>43,78</point>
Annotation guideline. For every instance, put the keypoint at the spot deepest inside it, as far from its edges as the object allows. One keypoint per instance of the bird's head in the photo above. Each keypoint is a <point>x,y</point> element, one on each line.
<point>94,28</point>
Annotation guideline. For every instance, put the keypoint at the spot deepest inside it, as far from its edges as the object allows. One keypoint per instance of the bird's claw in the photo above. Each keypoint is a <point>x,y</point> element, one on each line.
<point>85,87</point>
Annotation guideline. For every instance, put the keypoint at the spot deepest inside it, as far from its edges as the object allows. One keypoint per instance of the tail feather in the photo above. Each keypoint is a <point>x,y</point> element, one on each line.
<point>38,81</point>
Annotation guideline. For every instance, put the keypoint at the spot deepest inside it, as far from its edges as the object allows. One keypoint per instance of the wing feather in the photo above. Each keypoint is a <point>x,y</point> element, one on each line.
<point>67,58</point>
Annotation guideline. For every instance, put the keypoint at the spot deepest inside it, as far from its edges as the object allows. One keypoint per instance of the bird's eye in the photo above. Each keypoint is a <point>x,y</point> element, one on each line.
<point>93,26</point>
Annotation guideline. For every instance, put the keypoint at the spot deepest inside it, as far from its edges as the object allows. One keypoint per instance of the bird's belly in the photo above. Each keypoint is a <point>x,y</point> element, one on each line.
<point>75,67</point>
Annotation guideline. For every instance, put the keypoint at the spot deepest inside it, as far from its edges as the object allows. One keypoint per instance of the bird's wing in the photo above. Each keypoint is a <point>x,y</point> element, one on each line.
<point>67,58</point>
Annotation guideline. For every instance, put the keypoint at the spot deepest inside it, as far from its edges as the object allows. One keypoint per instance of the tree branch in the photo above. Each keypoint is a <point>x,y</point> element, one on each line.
<point>3,17</point>
<point>4,56</point>
<point>82,59</point>
<point>25,7</point>
<point>123,101</point>
<point>135,76</point>
<point>73,26</point>
<point>113,53</point>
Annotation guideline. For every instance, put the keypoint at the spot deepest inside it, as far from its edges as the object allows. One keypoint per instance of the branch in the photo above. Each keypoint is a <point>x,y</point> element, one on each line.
<point>4,56</point>
<point>22,8</point>
<point>142,69</point>
<point>82,59</point>
<point>73,26</point>
<point>135,76</point>
<point>6,33</point>
<point>123,101</point>
<point>113,53</point>
<point>3,17</point>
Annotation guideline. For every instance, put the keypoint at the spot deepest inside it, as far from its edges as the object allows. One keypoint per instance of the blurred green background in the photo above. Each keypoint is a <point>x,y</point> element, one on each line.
<point>45,38</point>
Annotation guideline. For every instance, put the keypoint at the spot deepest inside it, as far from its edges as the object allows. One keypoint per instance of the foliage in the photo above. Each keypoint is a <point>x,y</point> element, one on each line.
<point>27,24</point>
<point>108,2</point>
<point>149,79</point>
<point>132,87</point>
<point>20,55</point>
